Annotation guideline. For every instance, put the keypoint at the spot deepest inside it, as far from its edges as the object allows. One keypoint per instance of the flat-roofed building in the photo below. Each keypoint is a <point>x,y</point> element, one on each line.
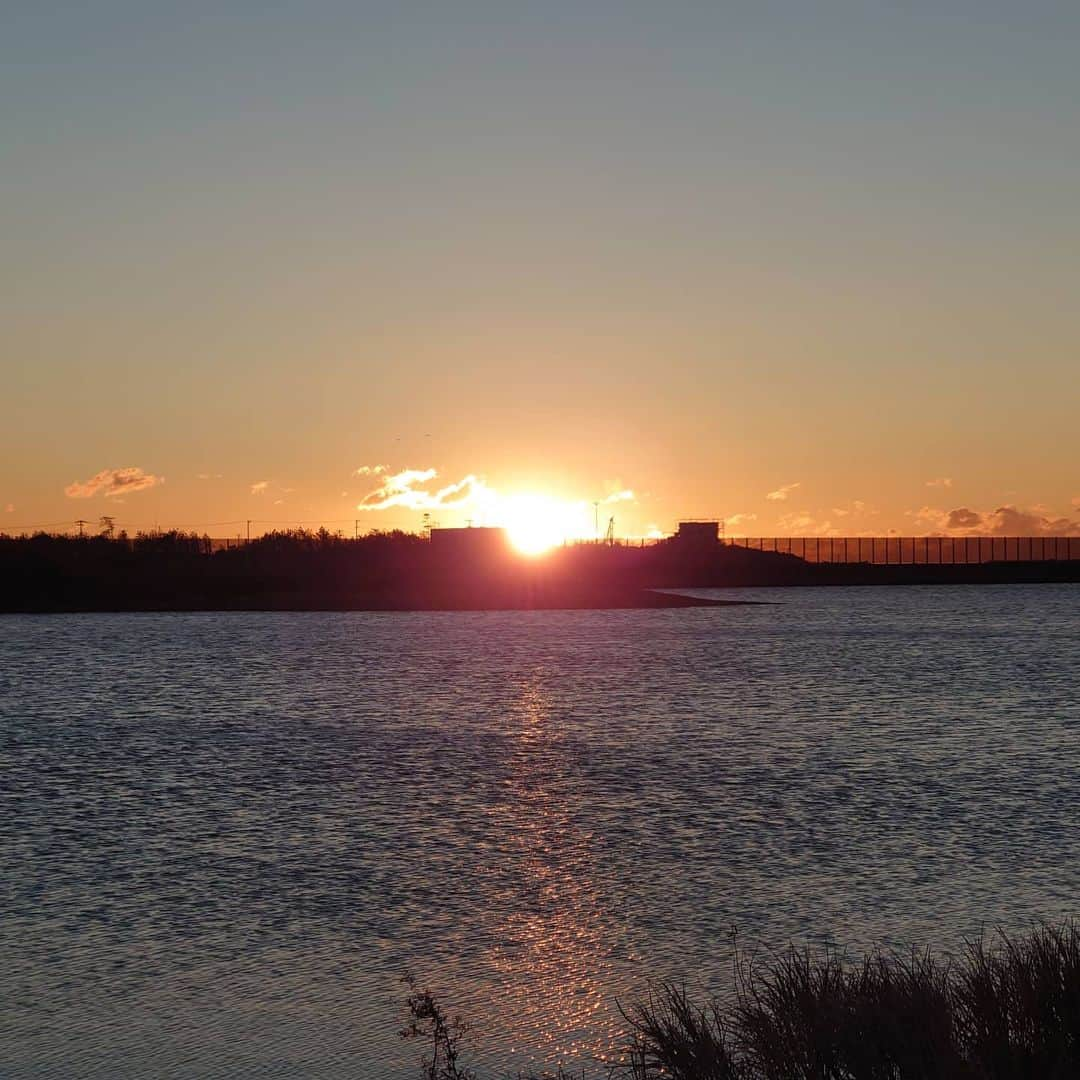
<point>698,533</point>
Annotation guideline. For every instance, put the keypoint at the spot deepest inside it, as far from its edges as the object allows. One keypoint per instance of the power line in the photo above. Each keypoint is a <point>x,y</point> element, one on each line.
<point>46,525</point>
<point>81,523</point>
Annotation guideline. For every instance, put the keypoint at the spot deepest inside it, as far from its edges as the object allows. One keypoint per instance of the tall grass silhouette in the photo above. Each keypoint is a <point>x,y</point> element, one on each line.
<point>1007,1008</point>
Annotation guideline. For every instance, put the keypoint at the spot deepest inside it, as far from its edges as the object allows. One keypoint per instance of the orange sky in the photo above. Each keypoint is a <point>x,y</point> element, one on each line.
<point>813,275</point>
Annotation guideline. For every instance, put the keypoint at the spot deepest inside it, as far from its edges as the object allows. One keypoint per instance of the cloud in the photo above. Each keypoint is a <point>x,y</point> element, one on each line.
<point>738,519</point>
<point>208,476</point>
<point>405,489</point>
<point>1006,520</point>
<point>963,518</point>
<point>960,520</point>
<point>940,482</point>
<point>855,508</point>
<point>929,517</point>
<point>371,470</point>
<point>471,497</point>
<point>1076,501</point>
<point>260,487</point>
<point>113,482</point>
<point>9,509</point>
<point>782,492</point>
<point>803,523</point>
<point>1011,521</point>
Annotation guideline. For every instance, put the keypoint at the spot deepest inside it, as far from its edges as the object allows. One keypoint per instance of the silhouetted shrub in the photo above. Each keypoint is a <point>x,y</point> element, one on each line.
<point>1017,1004</point>
<point>444,1033</point>
<point>670,1036</point>
<point>1008,1009</point>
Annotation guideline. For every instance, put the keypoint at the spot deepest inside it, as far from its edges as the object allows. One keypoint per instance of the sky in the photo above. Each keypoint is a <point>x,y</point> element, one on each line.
<point>810,268</point>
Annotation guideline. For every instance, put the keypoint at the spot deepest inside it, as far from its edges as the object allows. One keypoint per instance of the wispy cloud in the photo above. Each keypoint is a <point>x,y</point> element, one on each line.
<point>419,490</point>
<point>371,470</point>
<point>405,489</point>
<point>260,487</point>
<point>734,521</point>
<point>113,482</point>
<point>940,482</point>
<point>208,476</point>
<point>803,523</point>
<point>855,508</point>
<point>782,492</point>
<point>9,509</point>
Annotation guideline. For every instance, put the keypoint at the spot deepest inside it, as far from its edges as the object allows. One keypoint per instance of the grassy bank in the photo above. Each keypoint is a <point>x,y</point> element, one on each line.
<point>1004,1009</point>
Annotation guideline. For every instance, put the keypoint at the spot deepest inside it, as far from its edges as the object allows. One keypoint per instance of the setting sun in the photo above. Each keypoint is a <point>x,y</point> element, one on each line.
<point>537,523</point>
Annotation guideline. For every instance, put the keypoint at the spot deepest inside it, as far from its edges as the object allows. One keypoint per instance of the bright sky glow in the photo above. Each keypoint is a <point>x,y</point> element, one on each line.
<point>537,523</point>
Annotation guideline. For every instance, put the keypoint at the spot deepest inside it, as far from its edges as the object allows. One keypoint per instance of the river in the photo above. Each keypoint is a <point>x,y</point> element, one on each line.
<point>226,837</point>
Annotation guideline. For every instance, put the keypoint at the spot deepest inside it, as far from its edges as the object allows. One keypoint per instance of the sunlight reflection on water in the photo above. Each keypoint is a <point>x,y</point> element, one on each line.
<point>226,837</point>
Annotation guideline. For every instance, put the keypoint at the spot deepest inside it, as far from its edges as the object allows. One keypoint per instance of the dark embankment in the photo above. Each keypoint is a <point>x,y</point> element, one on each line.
<point>405,572</point>
<point>1008,1009</point>
<point>313,571</point>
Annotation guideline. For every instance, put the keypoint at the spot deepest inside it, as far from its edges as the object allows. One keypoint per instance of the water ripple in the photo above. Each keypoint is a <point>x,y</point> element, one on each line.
<point>225,838</point>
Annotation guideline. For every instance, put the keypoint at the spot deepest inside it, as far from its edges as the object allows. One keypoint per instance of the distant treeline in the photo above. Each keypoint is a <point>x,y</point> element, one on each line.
<point>404,571</point>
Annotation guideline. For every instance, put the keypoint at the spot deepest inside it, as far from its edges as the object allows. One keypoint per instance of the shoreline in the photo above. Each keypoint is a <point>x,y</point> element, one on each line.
<point>323,572</point>
<point>632,600</point>
<point>599,599</point>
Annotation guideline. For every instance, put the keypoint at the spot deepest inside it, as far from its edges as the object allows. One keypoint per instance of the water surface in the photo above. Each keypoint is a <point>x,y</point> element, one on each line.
<point>225,837</point>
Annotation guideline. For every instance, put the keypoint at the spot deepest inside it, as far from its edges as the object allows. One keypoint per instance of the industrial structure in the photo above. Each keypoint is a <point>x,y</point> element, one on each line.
<point>697,533</point>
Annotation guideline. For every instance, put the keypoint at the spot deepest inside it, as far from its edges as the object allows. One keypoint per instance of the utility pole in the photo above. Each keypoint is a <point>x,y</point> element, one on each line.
<point>249,531</point>
<point>81,522</point>
<point>596,521</point>
<point>356,529</point>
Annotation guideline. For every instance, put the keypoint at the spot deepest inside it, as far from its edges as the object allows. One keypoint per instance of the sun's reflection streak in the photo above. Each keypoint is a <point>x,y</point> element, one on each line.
<point>551,953</point>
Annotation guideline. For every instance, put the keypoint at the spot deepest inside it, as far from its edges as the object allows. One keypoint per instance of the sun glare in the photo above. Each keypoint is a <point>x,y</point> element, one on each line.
<point>536,523</point>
